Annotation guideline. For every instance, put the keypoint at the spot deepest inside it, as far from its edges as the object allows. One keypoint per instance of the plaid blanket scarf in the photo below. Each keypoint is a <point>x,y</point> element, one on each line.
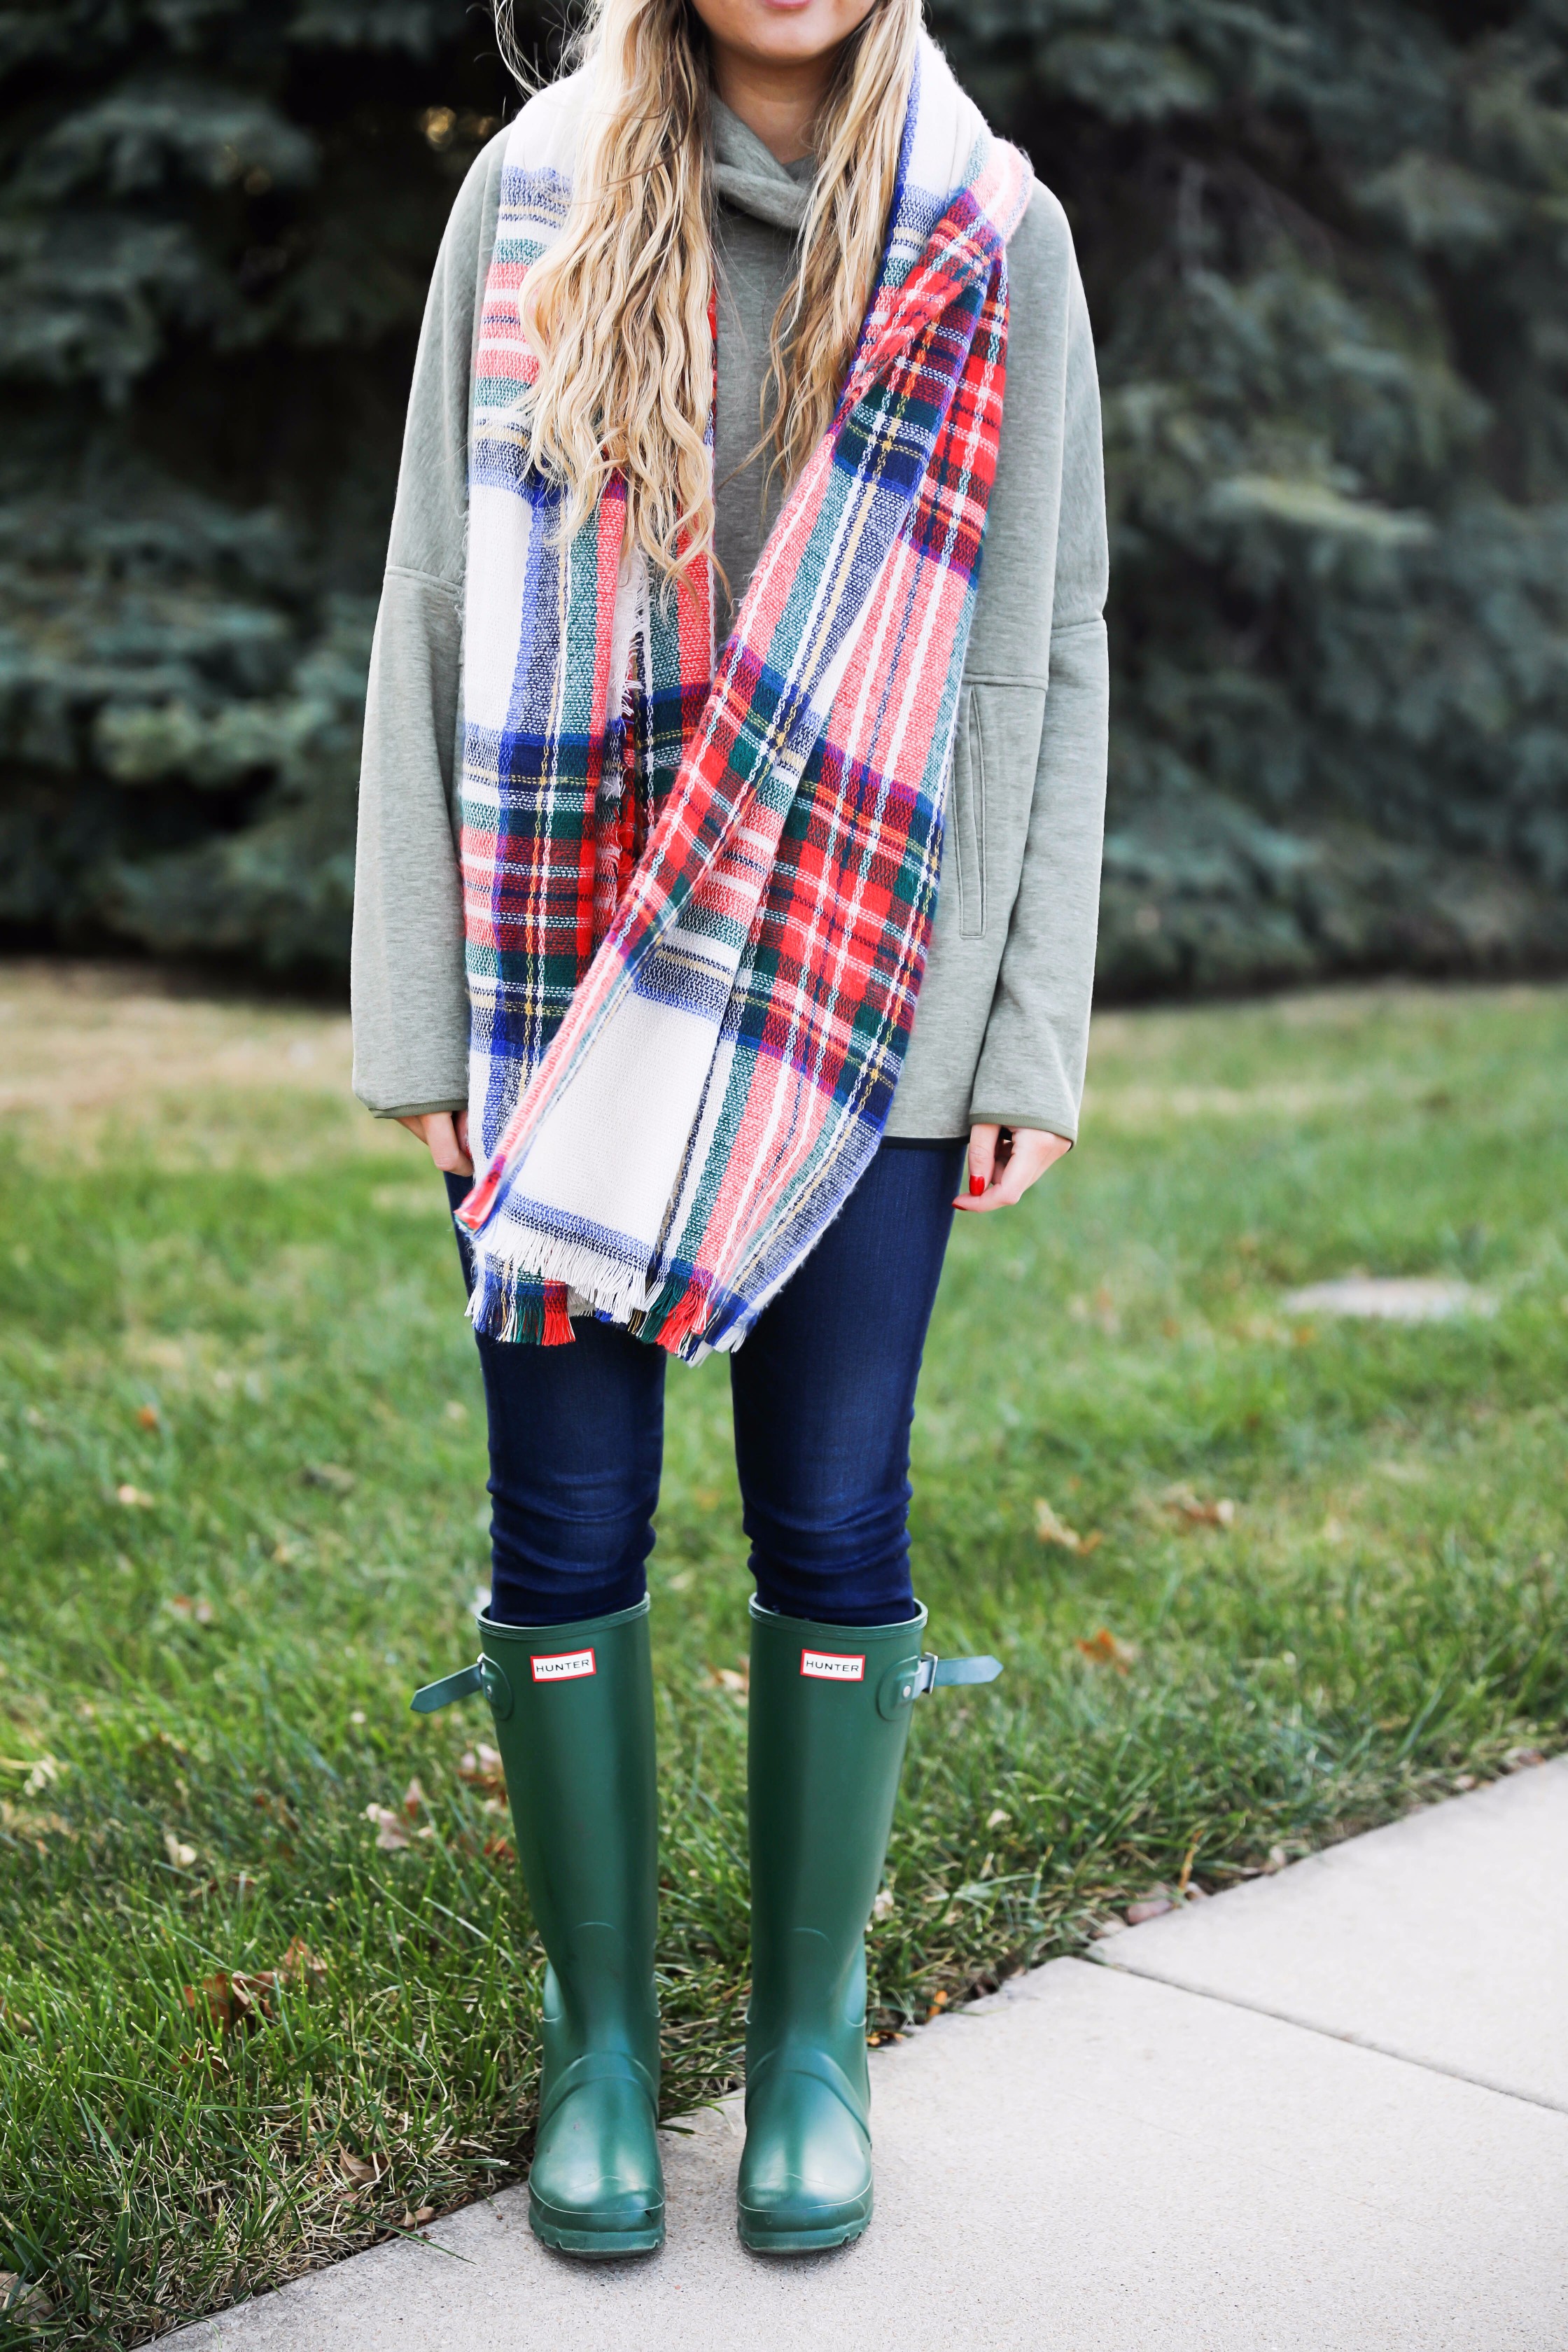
<point>698,896</point>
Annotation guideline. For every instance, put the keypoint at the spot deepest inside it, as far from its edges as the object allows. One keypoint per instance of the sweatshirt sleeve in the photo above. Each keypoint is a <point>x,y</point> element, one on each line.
<point>408,989</point>
<point>1031,1065</point>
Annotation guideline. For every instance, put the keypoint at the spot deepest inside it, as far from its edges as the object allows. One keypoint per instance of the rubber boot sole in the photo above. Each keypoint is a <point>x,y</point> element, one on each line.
<point>574,2233</point>
<point>762,2236</point>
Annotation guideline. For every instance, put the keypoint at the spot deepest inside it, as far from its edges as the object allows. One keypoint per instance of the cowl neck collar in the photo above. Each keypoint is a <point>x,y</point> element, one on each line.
<point>751,177</point>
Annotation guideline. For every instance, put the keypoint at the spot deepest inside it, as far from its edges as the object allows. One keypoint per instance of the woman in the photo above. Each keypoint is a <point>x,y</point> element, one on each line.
<point>712,715</point>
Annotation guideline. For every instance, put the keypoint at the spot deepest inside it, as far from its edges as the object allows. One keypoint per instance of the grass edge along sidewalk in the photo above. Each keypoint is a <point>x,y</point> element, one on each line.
<point>1281,2117</point>
<point>1259,1579</point>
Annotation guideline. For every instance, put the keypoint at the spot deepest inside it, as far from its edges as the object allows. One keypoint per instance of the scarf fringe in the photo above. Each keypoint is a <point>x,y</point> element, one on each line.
<point>508,1304</point>
<point>529,1302</point>
<point>675,1319</point>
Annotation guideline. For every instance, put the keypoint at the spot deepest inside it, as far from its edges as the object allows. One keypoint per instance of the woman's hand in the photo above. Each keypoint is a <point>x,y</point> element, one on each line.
<point>1004,1161</point>
<point>446,1136</point>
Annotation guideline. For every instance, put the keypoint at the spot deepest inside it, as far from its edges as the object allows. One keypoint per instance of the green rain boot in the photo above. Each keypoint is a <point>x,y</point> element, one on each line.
<point>574,1717</point>
<point>829,1717</point>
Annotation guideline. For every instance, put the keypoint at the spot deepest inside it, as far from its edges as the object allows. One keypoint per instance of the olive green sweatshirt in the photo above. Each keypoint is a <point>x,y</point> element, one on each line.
<point>1002,1021</point>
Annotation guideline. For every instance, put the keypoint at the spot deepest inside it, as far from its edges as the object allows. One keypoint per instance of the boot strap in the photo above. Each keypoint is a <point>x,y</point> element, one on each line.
<point>937,1674</point>
<point>599,2066</point>
<point>912,1678</point>
<point>484,1675</point>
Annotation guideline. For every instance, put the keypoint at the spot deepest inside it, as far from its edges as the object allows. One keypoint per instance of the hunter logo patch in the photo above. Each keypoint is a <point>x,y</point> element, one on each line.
<point>828,1666</point>
<point>565,1666</point>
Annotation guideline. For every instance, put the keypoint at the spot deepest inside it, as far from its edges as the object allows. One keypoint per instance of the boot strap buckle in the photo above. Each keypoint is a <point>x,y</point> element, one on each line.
<point>484,1675</point>
<point>903,1684</point>
<point>939,1674</point>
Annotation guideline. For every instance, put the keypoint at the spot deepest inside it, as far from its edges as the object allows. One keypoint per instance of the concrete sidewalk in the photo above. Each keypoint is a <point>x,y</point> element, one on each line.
<point>1326,2111</point>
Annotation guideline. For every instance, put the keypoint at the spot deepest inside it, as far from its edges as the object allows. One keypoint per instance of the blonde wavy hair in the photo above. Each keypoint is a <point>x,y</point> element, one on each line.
<point>617,311</point>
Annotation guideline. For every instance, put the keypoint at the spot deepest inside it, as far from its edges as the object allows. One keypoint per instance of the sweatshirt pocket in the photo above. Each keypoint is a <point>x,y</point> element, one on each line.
<point>967,816</point>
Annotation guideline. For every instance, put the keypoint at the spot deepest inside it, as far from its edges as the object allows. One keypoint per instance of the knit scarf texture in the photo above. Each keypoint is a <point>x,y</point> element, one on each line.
<point>697,891</point>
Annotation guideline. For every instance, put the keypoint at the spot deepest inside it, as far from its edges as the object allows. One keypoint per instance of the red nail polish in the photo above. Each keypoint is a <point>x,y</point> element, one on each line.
<point>976,1186</point>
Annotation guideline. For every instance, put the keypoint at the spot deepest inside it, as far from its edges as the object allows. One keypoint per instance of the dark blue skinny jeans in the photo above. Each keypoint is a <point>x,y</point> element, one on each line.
<point>824,1394</point>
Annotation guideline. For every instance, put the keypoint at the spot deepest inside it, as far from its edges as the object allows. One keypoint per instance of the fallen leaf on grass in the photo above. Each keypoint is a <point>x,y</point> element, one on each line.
<point>390,1834</point>
<point>147,1416</point>
<point>499,1849</point>
<point>133,1497</point>
<point>413,1800</point>
<point>330,1474</point>
<point>277,1809</point>
<point>189,1612</point>
<point>233,1999</point>
<point>1103,1648</point>
<point>215,1994</point>
<point>20,1820</point>
<point>1519,1759</point>
<point>994,1820</point>
<point>737,1681</point>
<point>359,2168</point>
<point>885,1906</point>
<point>1050,1528</point>
<point>1218,1513</point>
<point>22,2300</point>
<point>301,1963</point>
<point>481,1768</point>
<point>417,2221</point>
<point>1152,1907</point>
<point>179,1854</point>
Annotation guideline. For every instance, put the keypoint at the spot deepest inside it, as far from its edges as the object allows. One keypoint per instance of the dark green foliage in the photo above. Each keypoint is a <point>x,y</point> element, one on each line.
<point>1324,246</point>
<point>217,224</point>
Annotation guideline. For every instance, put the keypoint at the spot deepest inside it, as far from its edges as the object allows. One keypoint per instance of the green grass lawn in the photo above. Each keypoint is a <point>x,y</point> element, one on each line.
<point>242,1487</point>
